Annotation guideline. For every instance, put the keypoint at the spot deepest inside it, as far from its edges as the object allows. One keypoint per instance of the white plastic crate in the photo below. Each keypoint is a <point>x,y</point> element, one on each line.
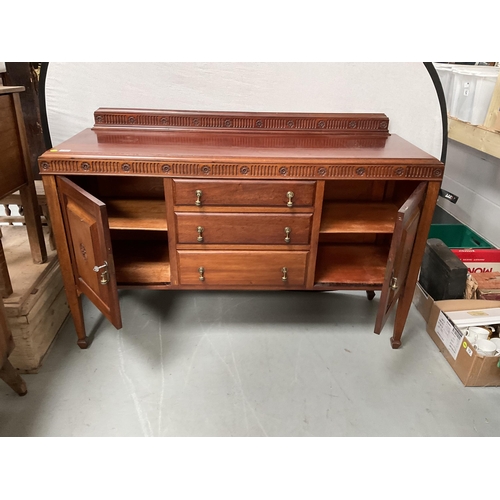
<point>471,90</point>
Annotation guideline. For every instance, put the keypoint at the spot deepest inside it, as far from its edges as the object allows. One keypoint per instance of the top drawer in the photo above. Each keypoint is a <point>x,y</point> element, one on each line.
<point>244,193</point>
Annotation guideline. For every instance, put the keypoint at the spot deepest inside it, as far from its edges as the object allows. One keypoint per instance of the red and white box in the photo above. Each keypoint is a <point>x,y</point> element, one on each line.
<point>479,260</point>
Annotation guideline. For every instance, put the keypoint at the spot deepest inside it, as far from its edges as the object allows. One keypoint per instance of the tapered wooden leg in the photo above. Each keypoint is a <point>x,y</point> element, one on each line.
<point>370,294</point>
<point>5,283</point>
<point>33,223</point>
<point>75,306</point>
<point>10,376</point>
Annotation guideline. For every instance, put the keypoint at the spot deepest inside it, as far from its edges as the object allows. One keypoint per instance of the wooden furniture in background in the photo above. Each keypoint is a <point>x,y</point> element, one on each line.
<point>15,175</point>
<point>239,201</point>
<point>7,372</point>
<point>15,199</point>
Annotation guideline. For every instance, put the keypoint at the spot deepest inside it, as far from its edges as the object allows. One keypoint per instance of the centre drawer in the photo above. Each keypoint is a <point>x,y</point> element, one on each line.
<point>243,228</point>
<point>243,268</point>
<point>202,193</point>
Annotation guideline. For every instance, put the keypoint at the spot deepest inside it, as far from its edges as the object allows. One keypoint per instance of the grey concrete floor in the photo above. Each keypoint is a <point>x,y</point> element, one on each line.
<point>247,364</point>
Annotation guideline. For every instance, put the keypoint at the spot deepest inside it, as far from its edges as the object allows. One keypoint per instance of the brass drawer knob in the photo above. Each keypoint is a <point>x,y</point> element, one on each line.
<point>201,270</point>
<point>198,198</point>
<point>200,232</point>
<point>289,195</point>
<point>394,283</point>
<point>287,234</point>
<point>284,270</point>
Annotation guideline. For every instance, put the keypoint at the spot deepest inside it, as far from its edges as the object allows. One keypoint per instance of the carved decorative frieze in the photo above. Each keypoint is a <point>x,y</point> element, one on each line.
<point>321,122</point>
<point>230,170</point>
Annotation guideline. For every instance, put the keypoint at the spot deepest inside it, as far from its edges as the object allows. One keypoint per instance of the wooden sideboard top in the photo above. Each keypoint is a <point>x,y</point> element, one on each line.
<point>203,138</point>
<point>230,145</point>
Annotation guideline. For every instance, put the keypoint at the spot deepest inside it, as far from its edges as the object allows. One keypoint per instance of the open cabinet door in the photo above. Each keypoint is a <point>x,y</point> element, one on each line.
<point>405,231</point>
<point>86,222</point>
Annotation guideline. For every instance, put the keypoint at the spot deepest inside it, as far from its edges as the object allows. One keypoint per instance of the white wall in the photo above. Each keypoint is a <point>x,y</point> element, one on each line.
<point>475,178</point>
<point>403,91</point>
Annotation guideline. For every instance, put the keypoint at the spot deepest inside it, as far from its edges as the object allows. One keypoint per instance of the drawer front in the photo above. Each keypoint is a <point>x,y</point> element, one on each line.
<point>244,229</point>
<point>252,268</point>
<point>244,193</point>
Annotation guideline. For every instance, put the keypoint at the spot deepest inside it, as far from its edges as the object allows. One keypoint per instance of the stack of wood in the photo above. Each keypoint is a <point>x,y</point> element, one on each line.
<point>488,285</point>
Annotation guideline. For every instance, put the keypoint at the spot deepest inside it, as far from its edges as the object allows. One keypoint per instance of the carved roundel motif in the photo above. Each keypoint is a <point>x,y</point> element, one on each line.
<point>196,121</point>
<point>352,124</point>
<point>283,171</point>
<point>131,119</point>
<point>399,171</point>
<point>166,168</point>
<point>383,125</point>
<point>228,123</point>
<point>322,171</point>
<point>85,166</point>
<point>126,167</point>
<point>321,124</point>
<point>360,171</point>
<point>259,123</point>
<point>244,170</point>
<point>98,119</point>
<point>164,121</point>
<point>45,165</point>
<point>437,172</point>
<point>290,123</point>
<point>205,169</point>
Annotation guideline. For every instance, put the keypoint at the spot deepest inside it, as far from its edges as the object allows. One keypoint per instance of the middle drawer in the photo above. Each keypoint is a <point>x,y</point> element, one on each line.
<point>243,228</point>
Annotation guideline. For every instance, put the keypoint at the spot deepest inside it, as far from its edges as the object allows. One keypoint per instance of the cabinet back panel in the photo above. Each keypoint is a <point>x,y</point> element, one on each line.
<point>354,190</point>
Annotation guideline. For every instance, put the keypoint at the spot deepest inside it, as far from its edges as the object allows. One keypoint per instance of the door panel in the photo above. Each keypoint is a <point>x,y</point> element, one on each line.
<point>88,235</point>
<point>405,231</point>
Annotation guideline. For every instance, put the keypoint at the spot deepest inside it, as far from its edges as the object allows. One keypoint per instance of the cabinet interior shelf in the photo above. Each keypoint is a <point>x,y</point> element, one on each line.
<point>147,214</point>
<point>351,265</point>
<point>358,217</point>
<point>141,262</point>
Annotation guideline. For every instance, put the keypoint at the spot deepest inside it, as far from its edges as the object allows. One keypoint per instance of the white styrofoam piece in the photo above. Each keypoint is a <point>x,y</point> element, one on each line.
<point>403,91</point>
<point>3,69</point>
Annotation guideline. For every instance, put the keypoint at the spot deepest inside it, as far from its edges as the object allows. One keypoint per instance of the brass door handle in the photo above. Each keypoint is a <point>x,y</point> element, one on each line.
<point>104,275</point>
<point>201,270</point>
<point>287,233</point>
<point>290,195</point>
<point>200,232</point>
<point>284,270</point>
<point>198,198</point>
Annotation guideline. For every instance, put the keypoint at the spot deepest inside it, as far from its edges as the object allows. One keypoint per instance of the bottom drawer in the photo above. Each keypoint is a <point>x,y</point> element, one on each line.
<point>244,268</point>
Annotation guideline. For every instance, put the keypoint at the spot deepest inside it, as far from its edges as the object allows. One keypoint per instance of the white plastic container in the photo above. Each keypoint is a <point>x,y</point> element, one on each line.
<point>445,73</point>
<point>471,91</point>
<point>485,85</point>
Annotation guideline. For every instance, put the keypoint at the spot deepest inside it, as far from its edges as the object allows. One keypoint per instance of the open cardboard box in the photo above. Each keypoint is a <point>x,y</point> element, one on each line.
<point>473,369</point>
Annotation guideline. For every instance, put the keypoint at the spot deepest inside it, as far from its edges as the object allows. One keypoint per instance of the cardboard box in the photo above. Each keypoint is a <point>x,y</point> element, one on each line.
<point>422,301</point>
<point>473,369</point>
<point>479,260</point>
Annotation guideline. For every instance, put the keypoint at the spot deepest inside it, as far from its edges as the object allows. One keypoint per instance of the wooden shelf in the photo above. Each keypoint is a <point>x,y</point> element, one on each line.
<point>475,136</point>
<point>147,214</point>
<point>351,265</point>
<point>141,262</point>
<point>358,217</point>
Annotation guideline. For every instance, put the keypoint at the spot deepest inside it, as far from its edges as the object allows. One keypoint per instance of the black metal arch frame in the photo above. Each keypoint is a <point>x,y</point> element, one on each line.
<point>428,65</point>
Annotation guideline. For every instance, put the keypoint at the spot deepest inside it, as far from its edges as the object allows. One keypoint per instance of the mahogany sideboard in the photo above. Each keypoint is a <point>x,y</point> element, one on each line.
<point>203,200</point>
